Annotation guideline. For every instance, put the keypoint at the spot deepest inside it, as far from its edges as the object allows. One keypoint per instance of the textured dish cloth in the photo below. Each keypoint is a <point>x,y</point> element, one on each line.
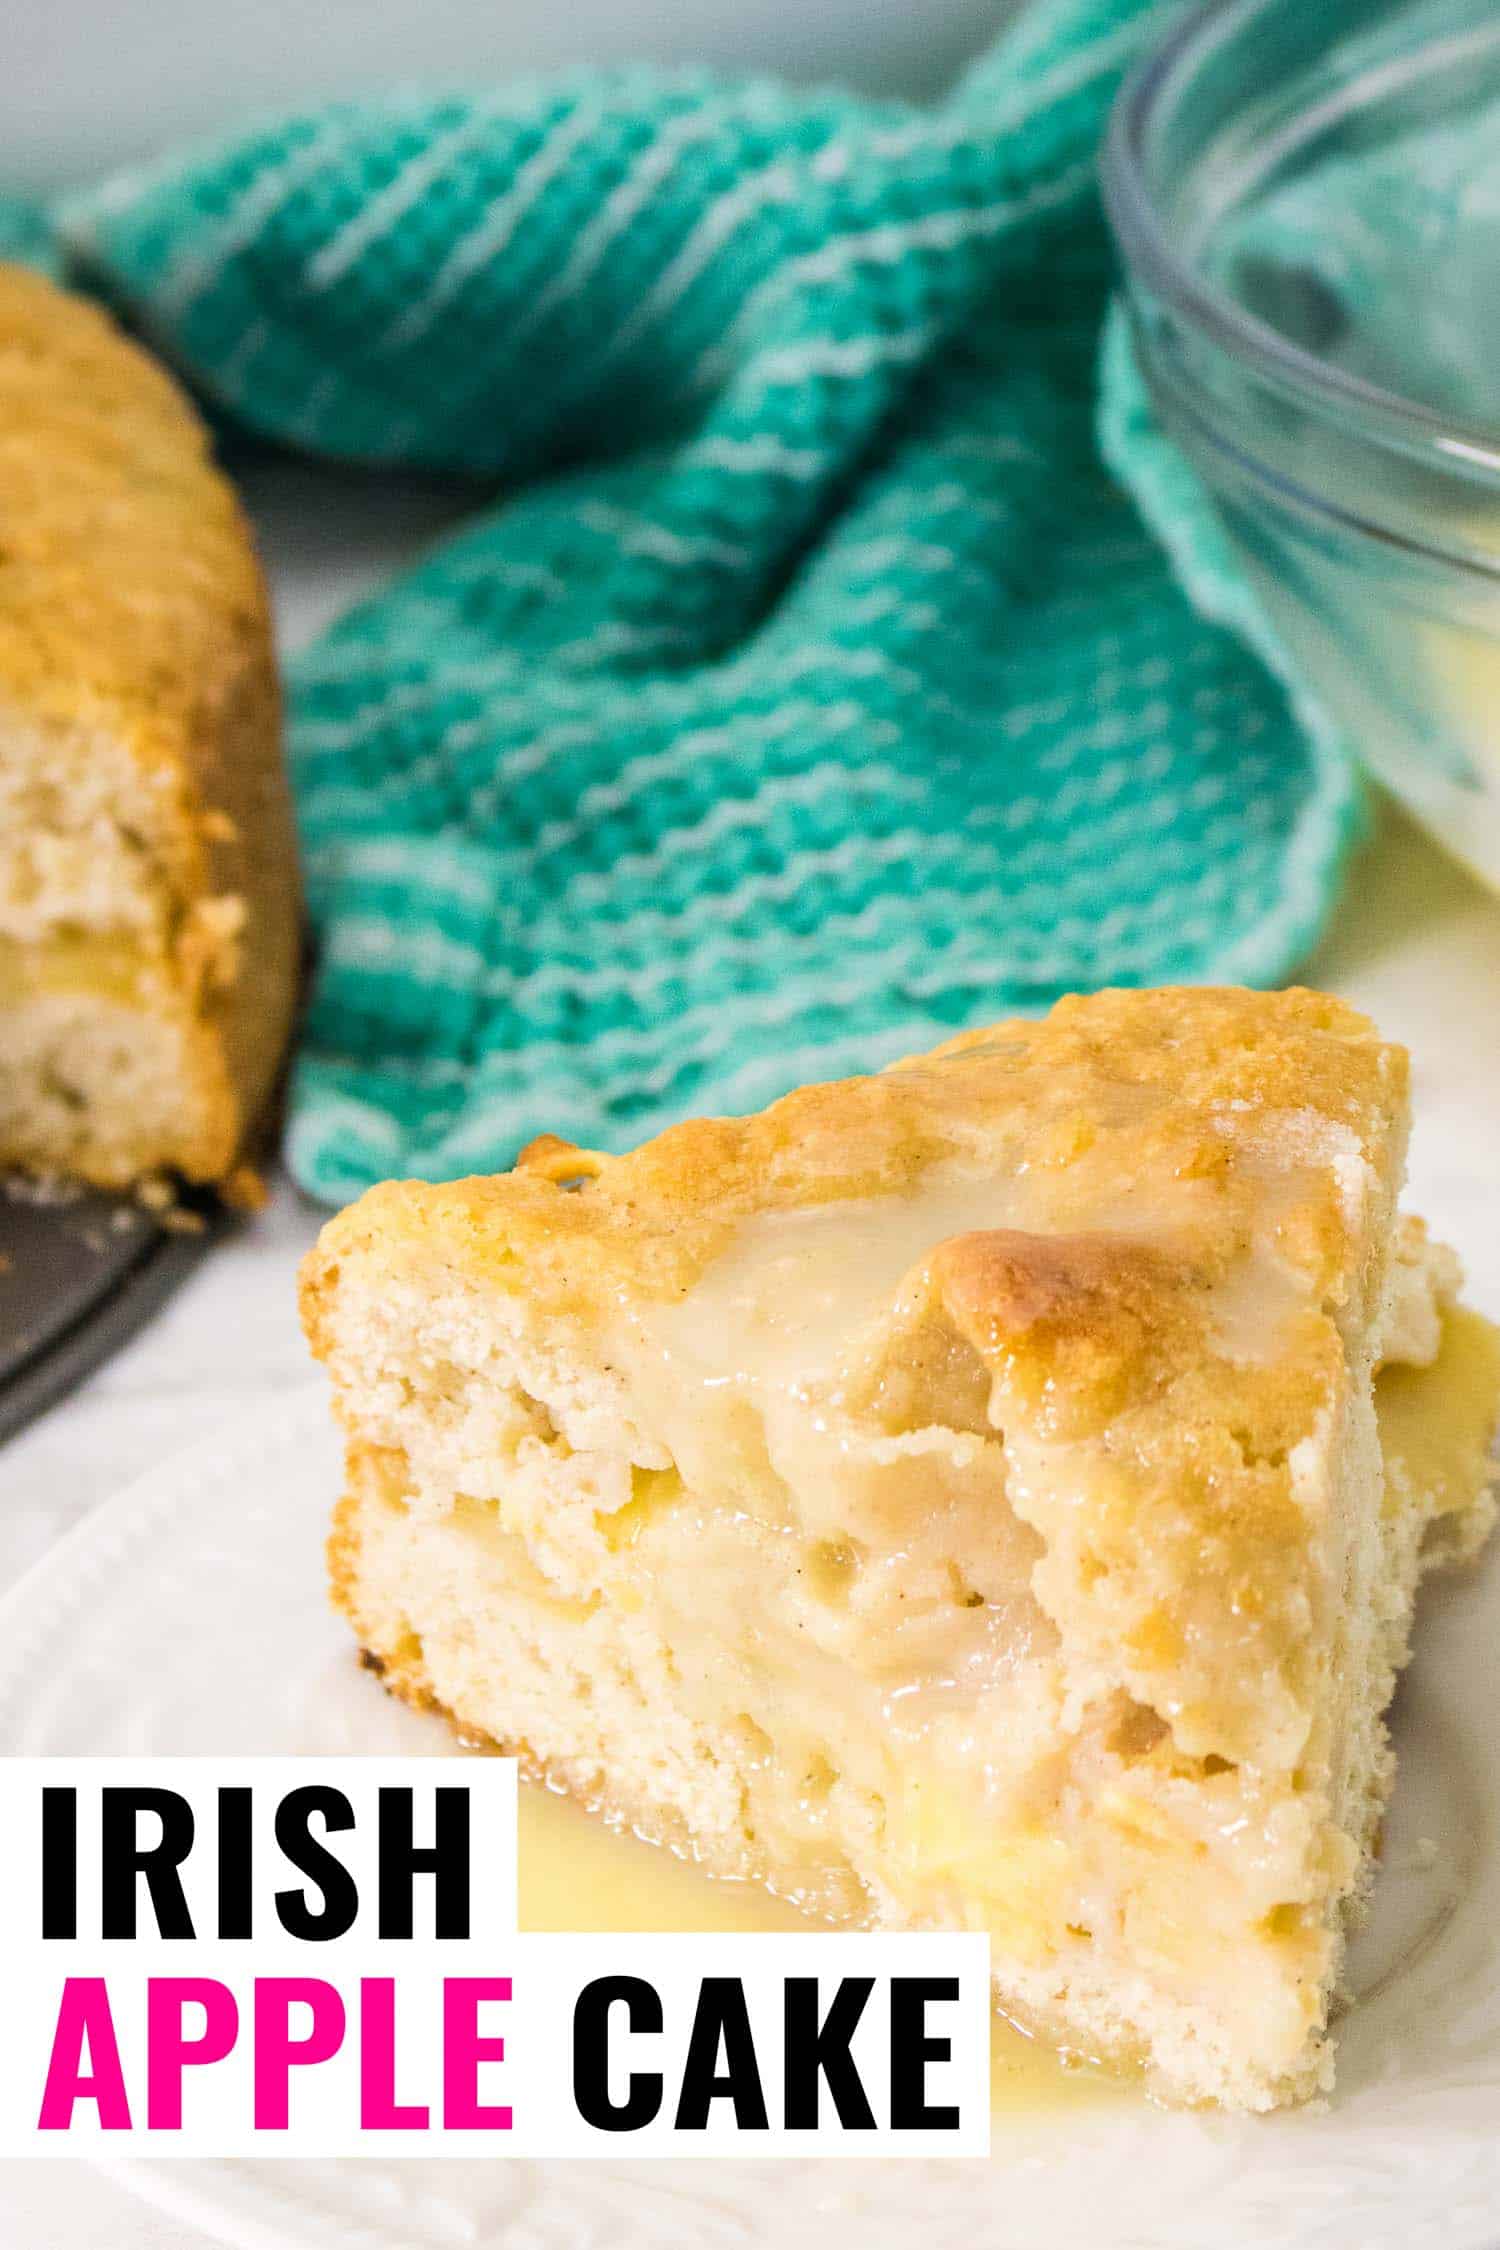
<point>805,687</point>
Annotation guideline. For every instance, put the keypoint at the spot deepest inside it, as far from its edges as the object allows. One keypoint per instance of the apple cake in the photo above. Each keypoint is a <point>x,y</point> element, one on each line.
<point>148,891</point>
<point>986,1494</point>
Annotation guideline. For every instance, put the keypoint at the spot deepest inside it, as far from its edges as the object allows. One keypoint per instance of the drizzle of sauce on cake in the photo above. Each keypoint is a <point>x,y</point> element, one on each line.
<point>778,1317</point>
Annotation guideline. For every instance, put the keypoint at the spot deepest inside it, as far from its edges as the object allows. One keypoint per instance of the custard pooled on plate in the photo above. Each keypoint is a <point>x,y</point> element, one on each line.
<point>987,1494</point>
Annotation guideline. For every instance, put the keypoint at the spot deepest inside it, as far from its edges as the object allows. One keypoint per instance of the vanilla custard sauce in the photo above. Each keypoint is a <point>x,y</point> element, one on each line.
<point>779,1316</point>
<point>578,1873</point>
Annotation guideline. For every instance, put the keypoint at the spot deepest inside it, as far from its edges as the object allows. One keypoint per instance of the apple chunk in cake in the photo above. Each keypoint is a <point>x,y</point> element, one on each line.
<point>956,1497</point>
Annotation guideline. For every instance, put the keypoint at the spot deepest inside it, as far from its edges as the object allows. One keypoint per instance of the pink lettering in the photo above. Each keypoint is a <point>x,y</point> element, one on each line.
<point>83,2017</point>
<point>464,2049</point>
<point>379,2110</point>
<point>169,2050</point>
<point>277,2052</point>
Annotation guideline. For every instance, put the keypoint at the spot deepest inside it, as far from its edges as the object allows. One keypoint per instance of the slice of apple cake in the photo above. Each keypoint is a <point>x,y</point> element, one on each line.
<point>955,1497</point>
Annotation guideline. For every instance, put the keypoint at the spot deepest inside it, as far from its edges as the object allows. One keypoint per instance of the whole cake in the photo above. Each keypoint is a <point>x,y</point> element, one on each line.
<point>987,1494</point>
<point>148,890</point>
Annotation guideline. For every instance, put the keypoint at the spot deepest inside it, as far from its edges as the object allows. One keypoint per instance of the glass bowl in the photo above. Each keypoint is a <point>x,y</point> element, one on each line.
<point>1307,201</point>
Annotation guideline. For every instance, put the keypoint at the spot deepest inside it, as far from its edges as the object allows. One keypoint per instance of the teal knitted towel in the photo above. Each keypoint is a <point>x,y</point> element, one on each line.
<point>805,688</point>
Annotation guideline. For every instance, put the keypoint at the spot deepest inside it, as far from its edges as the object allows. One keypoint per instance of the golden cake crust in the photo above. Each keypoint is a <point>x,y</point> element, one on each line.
<point>1177,1081</point>
<point>133,612</point>
<point>1191,1536</point>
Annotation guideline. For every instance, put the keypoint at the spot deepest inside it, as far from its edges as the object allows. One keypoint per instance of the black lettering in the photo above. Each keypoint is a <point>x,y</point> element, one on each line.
<point>235,1910</point>
<point>59,1863</point>
<point>722,2019</point>
<point>643,2088</point>
<point>816,2051</point>
<point>446,1860</point>
<point>123,1858</point>
<point>336,1886</point>
<point>912,2049</point>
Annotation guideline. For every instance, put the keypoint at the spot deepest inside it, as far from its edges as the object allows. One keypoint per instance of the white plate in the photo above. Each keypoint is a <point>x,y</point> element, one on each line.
<point>189,1616</point>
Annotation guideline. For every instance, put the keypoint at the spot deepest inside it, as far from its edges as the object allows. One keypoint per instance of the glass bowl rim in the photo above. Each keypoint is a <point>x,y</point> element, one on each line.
<point>1149,255</point>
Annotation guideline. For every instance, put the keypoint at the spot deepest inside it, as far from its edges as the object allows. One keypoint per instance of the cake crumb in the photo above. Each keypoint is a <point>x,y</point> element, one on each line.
<point>245,1189</point>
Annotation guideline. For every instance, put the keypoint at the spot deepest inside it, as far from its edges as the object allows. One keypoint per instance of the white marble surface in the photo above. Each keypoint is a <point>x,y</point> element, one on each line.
<point>1417,942</point>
